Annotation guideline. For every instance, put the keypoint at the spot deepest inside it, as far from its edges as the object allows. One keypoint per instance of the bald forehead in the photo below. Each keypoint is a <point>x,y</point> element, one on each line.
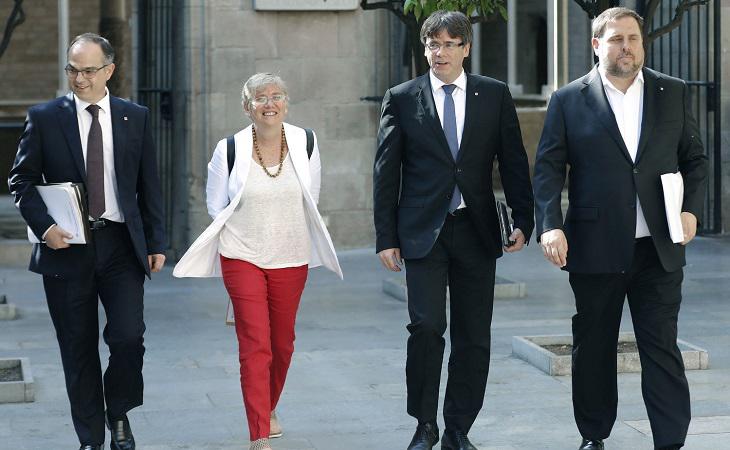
<point>86,50</point>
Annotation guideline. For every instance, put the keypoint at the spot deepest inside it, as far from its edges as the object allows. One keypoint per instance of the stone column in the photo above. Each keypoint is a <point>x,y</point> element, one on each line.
<point>63,41</point>
<point>476,49</point>
<point>114,26</point>
<point>557,42</point>
<point>514,86</point>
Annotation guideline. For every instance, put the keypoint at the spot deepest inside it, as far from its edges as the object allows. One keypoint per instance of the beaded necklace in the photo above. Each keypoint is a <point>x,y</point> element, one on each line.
<point>261,159</point>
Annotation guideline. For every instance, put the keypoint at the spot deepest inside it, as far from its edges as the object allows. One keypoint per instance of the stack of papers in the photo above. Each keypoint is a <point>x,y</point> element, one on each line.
<point>64,202</point>
<point>673,187</point>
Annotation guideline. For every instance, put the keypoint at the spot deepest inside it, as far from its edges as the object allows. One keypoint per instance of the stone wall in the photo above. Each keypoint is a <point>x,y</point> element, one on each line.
<point>29,66</point>
<point>330,61</point>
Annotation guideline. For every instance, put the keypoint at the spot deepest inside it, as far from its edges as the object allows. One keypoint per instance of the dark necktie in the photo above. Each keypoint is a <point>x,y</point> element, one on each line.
<point>95,165</point>
<point>451,138</point>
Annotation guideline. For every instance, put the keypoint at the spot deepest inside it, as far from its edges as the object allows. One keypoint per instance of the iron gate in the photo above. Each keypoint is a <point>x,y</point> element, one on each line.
<point>692,53</point>
<point>155,86</point>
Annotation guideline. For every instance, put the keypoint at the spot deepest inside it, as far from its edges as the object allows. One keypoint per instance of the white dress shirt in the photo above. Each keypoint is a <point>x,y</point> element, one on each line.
<point>628,110</point>
<point>459,96</point>
<point>112,212</point>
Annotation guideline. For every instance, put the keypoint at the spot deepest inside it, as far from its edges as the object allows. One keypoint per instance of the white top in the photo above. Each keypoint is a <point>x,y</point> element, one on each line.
<point>459,96</point>
<point>268,227</point>
<point>224,192</point>
<point>628,110</point>
<point>112,212</point>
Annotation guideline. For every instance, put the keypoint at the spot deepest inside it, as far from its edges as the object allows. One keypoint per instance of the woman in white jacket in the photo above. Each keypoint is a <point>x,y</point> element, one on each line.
<point>266,233</point>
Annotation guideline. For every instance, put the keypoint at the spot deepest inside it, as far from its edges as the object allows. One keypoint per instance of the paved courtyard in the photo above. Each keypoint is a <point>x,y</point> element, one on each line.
<point>346,388</point>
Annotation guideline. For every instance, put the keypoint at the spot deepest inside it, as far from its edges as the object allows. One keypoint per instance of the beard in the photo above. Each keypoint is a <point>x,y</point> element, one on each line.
<point>617,70</point>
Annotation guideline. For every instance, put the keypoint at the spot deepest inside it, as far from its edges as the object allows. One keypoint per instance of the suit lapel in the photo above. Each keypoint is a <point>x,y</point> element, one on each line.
<point>598,103</point>
<point>119,133</point>
<point>651,85</point>
<point>470,115</point>
<point>70,127</point>
<point>427,107</point>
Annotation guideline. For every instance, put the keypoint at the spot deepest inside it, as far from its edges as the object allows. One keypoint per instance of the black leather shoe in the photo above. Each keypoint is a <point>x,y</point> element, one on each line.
<point>455,440</point>
<point>122,438</point>
<point>91,447</point>
<point>591,444</point>
<point>425,437</point>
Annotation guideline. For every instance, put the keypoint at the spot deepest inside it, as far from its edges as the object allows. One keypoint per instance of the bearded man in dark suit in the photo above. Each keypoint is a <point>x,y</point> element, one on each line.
<point>619,128</point>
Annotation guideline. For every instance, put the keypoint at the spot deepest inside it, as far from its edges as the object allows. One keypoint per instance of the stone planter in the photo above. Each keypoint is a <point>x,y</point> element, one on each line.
<point>536,351</point>
<point>8,311</point>
<point>503,288</point>
<point>18,389</point>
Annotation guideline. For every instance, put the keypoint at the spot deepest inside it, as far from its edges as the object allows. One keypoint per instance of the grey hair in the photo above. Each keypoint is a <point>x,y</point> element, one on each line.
<point>599,24</point>
<point>455,23</point>
<point>257,82</point>
<point>94,38</point>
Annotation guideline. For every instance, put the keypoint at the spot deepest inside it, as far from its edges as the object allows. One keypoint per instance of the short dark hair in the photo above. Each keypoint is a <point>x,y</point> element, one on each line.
<point>598,25</point>
<point>106,47</point>
<point>453,22</point>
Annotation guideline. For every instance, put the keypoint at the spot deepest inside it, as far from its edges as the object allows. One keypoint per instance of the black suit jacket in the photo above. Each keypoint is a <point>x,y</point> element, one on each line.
<point>415,174</point>
<point>581,132</point>
<point>50,149</point>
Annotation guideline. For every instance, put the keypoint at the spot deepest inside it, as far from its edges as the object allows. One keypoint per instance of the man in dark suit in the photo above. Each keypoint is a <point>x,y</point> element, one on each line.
<point>434,207</point>
<point>619,128</point>
<point>105,143</point>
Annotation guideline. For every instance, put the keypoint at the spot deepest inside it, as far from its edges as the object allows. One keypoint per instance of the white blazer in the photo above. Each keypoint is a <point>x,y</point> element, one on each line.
<point>223,193</point>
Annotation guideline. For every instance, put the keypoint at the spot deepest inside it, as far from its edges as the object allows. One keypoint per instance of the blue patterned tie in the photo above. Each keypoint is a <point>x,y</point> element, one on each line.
<point>451,138</point>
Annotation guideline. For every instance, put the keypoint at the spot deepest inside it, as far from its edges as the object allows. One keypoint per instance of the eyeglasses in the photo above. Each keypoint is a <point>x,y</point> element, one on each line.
<point>262,100</point>
<point>447,46</point>
<point>89,72</point>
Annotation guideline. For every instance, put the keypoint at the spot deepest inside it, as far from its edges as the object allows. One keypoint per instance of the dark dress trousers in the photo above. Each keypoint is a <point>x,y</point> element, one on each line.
<point>606,263</point>
<point>414,177</point>
<point>111,267</point>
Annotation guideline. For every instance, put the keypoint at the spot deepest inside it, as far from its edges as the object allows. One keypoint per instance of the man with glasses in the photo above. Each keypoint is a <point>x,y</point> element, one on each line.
<point>104,143</point>
<point>434,208</point>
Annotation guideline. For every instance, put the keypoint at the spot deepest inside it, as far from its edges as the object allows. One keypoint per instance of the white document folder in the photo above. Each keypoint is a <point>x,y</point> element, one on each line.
<point>673,187</point>
<point>64,204</point>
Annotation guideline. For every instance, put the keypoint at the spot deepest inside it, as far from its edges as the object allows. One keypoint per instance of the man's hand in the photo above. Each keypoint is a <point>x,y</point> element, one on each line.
<point>519,241</point>
<point>555,247</point>
<point>56,238</point>
<point>390,257</point>
<point>156,262</point>
<point>689,226</point>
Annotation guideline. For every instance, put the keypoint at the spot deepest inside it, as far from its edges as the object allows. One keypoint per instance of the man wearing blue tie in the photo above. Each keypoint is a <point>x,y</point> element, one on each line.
<point>434,209</point>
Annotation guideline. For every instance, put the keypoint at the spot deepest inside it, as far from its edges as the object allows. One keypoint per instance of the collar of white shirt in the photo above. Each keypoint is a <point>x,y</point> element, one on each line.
<point>436,84</point>
<point>639,80</point>
<point>103,103</point>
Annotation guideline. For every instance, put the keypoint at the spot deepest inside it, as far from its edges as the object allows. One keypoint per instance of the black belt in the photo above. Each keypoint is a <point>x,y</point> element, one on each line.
<point>458,212</point>
<point>101,223</point>
<point>642,240</point>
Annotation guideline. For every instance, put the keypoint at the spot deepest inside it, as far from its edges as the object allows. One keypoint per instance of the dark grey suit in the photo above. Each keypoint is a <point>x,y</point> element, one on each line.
<point>110,267</point>
<point>414,178</point>
<point>605,261</point>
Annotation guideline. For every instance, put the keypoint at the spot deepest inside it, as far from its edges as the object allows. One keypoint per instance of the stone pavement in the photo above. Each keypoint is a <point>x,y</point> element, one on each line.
<point>346,388</point>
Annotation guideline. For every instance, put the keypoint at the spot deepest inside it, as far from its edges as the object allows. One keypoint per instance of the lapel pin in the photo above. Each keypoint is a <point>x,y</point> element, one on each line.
<point>661,88</point>
<point>476,93</point>
<point>125,118</point>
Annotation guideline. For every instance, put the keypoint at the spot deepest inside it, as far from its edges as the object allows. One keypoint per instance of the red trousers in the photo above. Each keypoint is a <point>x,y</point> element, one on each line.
<point>265,303</point>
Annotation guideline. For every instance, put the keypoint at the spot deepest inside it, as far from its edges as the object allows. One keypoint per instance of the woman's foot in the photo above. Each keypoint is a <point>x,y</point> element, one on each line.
<point>275,427</point>
<point>260,444</point>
